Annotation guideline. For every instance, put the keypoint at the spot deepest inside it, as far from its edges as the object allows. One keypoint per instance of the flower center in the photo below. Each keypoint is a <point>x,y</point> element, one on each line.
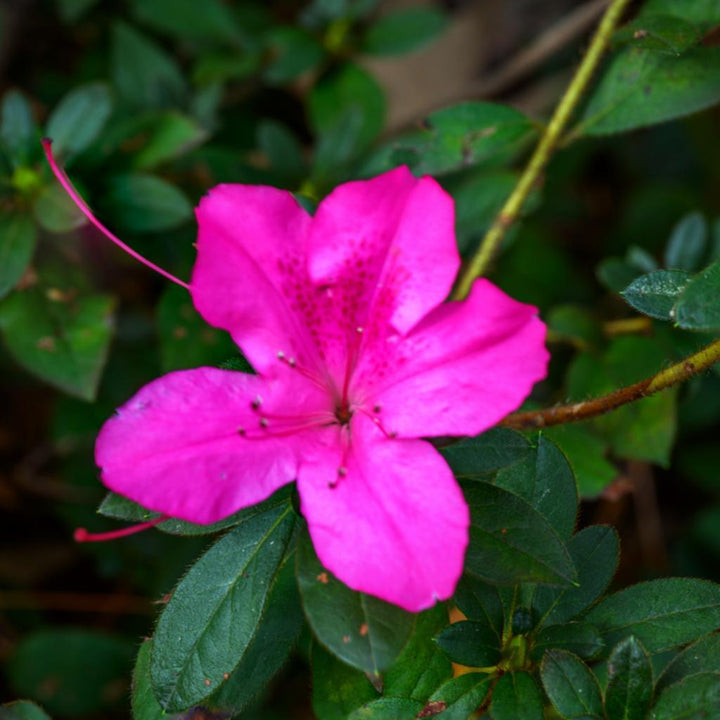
<point>343,413</point>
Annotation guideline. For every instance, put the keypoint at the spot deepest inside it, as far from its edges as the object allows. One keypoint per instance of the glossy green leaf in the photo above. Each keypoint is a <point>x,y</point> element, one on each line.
<point>687,243</point>
<point>337,688</point>
<point>699,305</point>
<point>62,341</point>
<point>510,541</point>
<point>421,666</point>
<point>18,238</point>
<point>660,33</point>
<point>388,708</point>
<point>22,710</point>
<point>360,629</point>
<point>464,135</point>
<point>143,701</point>
<point>168,136</point>
<point>697,697</point>
<point>594,551</point>
<point>470,643</point>
<point>704,14</point>
<point>72,672</point>
<point>217,610</point>
<point>186,340</point>
<point>516,696</point>
<point>17,126</point>
<point>662,614</point>
<point>545,479</point>
<point>630,681</point>
<point>656,294</point>
<point>142,72</point>
<point>403,31</point>
<point>580,638</point>
<point>55,211</point>
<point>458,698</point>
<point>146,203</point>
<point>480,601</point>
<point>78,119</point>
<point>700,657</point>
<point>571,686</point>
<point>642,88</point>
<point>486,453</point>
<point>293,51</point>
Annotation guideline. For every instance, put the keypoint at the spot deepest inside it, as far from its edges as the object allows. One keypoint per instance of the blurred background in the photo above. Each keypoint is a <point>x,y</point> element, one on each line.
<point>151,102</point>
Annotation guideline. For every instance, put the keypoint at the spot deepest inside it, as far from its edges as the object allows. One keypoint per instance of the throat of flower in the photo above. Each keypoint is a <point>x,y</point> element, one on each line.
<point>81,535</point>
<point>70,189</point>
<point>267,425</point>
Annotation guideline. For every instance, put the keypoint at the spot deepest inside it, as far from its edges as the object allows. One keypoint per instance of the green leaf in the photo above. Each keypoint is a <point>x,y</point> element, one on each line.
<point>470,643</point>
<point>464,135</point>
<point>516,696</point>
<point>661,33</point>
<point>170,135</point>
<point>18,238</point>
<point>494,449</point>
<point>571,686</point>
<point>421,666</point>
<point>510,542</point>
<point>146,203</point>
<point>143,702</point>
<point>656,294</point>
<point>697,697</point>
<point>699,305</point>
<point>282,149</point>
<point>545,479</point>
<point>72,672</point>
<point>294,51</point>
<point>55,211</point>
<point>630,682</point>
<point>700,657</point>
<point>403,31</point>
<point>388,708</point>
<point>217,610</point>
<point>63,341</point>
<point>22,710</point>
<point>337,688</point>
<point>186,340</point>
<point>662,614</point>
<point>687,243</point>
<point>705,14</point>
<point>72,10</point>
<point>575,324</point>
<point>586,452</point>
<point>361,630</point>
<point>78,119</point>
<point>480,601</point>
<point>580,638</point>
<point>17,126</point>
<point>211,20</point>
<point>458,698</point>
<point>594,551</point>
<point>642,88</point>
<point>142,72</point>
<point>269,649</point>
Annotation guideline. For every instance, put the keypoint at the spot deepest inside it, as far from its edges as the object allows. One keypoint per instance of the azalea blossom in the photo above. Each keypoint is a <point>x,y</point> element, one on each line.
<point>358,361</point>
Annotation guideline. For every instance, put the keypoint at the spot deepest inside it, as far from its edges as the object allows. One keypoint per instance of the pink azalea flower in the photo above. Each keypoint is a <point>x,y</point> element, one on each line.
<point>358,359</point>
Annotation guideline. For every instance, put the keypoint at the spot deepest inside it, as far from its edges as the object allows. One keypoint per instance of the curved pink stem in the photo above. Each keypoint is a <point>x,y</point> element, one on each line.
<point>82,535</point>
<point>75,195</point>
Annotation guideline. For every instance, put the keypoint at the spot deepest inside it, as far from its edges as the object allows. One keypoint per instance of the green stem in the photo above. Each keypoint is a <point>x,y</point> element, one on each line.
<point>685,369</point>
<point>548,142</point>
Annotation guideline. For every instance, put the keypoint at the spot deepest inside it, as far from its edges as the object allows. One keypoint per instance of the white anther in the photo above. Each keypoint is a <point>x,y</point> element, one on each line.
<point>263,422</point>
<point>342,471</point>
<point>281,355</point>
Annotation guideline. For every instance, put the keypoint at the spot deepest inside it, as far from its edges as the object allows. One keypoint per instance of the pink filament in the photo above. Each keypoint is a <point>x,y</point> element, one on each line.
<point>75,195</point>
<point>81,535</point>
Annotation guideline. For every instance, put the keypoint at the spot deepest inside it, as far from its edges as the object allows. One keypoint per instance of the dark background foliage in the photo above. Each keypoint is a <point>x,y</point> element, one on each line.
<point>150,102</point>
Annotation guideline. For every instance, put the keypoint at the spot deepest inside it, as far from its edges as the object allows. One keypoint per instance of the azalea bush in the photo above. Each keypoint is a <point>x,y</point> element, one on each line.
<point>315,415</point>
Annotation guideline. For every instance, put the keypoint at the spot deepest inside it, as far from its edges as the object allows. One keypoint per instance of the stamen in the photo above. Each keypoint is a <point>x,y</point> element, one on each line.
<point>389,434</point>
<point>84,208</point>
<point>81,535</point>
<point>342,470</point>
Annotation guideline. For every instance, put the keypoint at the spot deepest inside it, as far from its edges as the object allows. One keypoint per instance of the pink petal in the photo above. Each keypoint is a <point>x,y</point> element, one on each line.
<point>395,526</point>
<point>465,367</point>
<point>251,256</point>
<point>175,446</point>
